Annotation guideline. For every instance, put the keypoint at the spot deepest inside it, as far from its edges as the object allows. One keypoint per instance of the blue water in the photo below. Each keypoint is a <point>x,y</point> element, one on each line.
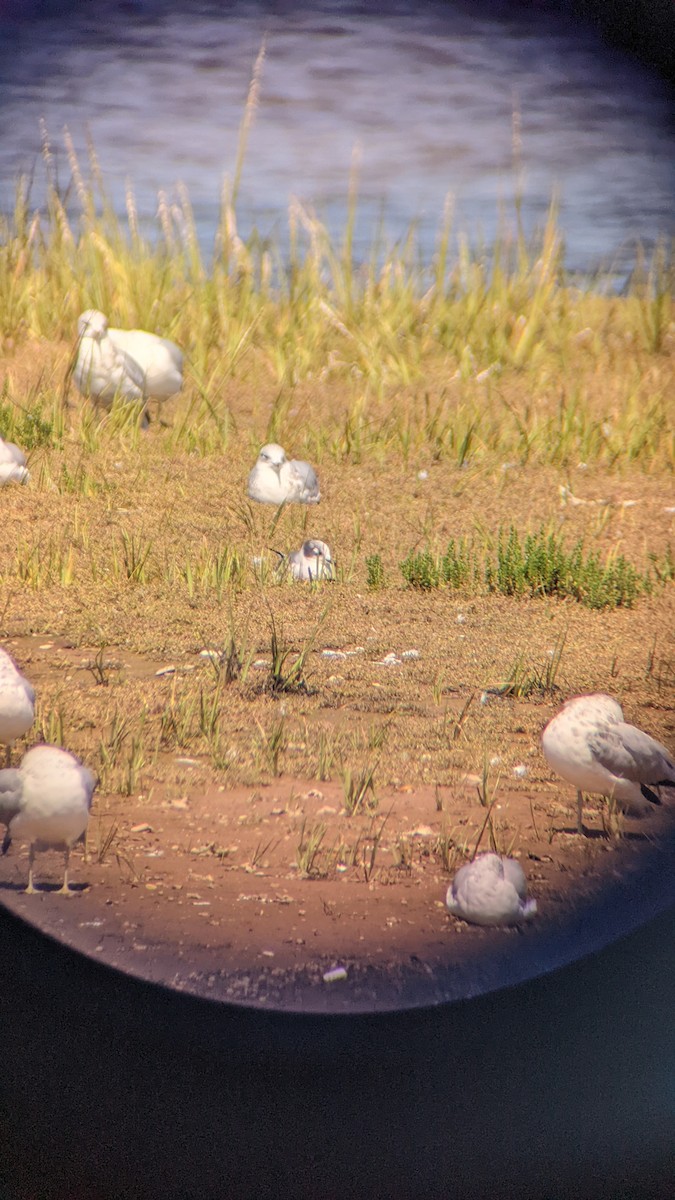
<point>423,94</point>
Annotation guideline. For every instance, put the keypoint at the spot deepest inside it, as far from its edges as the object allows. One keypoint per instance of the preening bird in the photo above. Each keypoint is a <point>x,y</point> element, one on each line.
<point>591,746</point>
<point>17,703</point>
<point>278,480</point>
<point>130,363</point>
<point>491,890</point>
<point>312,561</point>
<point>13,467</point>
<point>46,802</point>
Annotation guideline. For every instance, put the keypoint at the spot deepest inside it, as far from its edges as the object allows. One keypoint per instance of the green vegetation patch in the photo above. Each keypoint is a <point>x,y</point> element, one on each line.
<point>537,565</point>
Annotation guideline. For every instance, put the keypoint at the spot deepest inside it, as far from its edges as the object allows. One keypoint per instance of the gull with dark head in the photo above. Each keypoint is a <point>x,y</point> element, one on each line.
<point>13,467</point>
<point>17,703</point>
<point>591,746</point>
<point>46,802</point>
<point>491,890</point>
<point>312,561</point>
<point>130,363</point>
<point>277,480</point>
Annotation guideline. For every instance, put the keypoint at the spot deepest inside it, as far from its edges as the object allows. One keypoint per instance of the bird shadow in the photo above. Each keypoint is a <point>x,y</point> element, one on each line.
<point>628,835</point>
<point>7,885</point>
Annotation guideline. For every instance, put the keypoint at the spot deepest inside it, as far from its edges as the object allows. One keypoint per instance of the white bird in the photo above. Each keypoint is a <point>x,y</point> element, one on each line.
<point>491,890</point>
<point>129,363</point>
<point>591,746</point>
<point>17,703</point>
<point>278,480</point>
<point>312,561</point>
<point>160,360</point>
<point>12,464</point>
<point>46,802</point>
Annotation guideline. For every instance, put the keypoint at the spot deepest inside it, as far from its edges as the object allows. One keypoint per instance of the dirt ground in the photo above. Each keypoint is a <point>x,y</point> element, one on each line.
<point>202,885</point>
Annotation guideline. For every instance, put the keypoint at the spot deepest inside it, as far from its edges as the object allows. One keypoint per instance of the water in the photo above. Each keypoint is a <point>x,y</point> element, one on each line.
<point>425,93</point>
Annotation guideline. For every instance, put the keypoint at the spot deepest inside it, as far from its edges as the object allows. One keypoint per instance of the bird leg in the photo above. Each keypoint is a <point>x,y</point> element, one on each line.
<point>580,809</point>
<point>65,890</point>
<point>8,755</point>
<point>30,890</point>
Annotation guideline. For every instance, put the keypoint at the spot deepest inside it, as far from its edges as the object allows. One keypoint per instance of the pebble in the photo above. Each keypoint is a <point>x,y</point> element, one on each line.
<point>171,670</point>
<point>143,828</point>
<point>520,771</point>
<point>335,975</point>
<point>411,654</point>
<point>422,474</point>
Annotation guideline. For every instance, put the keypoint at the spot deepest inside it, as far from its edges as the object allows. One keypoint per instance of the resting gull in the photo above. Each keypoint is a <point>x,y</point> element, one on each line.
<point>491,890</point>
<point>312,561</point>
<point>278,480</point>
<point>591,746</point>
<point>46,802</point>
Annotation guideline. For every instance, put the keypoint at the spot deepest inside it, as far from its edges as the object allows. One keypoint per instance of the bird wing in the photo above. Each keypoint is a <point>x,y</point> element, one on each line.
<point>146,348</point>
<point>131,368</point>
<point>653,760</point>
<point>628,753</point>
<point>90,782</point>
<point>304,477</point>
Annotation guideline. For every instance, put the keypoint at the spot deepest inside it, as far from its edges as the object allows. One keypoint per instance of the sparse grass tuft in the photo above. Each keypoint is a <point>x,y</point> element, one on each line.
<point>358,788</point>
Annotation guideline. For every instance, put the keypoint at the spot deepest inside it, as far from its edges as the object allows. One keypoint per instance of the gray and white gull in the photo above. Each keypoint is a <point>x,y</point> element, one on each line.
<point>46,802</point>
<point>276,479</point>
<point>591,746</point>
<point>491,890</point>
<point>312,561</point>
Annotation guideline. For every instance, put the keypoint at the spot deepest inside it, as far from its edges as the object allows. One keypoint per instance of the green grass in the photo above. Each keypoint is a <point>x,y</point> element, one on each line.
<point>536,564</point>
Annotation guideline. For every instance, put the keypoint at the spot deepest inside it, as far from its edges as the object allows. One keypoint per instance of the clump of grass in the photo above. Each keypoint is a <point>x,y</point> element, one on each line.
<point>273,743</point>
<point>370,845</point>
<point>29,427</point>
<point>135,551</point>
<point>421,570</point>
<point>288,666</point>
<point>540,565</point>
<point>308,849</point>
<point>526,678</point>
<point>375,576</point>
<point>536,565</point>
<point>358,788</point>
